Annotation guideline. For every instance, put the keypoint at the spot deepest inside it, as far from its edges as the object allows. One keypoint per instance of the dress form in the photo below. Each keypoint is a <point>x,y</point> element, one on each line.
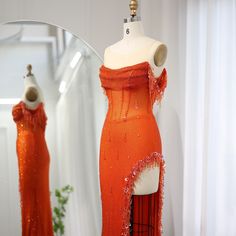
<point>33,160</point>
<point>32,95</point>
<point>133,49</point>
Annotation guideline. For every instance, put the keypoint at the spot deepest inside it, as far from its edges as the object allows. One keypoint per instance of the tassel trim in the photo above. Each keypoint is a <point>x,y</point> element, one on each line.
<point>157,85</point>
<point>155,159</point>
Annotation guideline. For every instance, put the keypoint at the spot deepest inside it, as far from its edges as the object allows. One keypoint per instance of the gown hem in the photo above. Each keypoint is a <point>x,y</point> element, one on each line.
<point>150,161</point>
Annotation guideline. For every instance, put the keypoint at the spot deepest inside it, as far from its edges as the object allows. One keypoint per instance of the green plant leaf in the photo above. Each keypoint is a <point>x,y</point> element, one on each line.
<point>62,196</point>
<point>57,193</point>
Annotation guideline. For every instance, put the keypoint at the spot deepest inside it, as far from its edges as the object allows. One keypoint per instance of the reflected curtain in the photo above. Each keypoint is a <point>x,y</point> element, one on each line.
<point>210,115</point>
<point>78,146</point>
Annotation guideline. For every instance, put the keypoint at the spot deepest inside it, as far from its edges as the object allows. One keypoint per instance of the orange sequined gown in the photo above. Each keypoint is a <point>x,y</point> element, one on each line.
<point>130,143</point>
<point>33,162</point>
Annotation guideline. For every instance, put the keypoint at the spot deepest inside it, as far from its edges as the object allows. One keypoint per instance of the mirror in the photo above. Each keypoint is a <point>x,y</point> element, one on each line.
<point>66,69</point>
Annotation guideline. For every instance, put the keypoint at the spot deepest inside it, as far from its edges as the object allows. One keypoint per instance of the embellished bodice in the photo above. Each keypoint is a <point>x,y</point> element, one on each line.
<point>132,90</point>
<point>33,164</point>
<point>29,120</point>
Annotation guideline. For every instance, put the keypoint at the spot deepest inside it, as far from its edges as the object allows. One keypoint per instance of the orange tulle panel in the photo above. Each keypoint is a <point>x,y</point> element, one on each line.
<point>33,163</point>
<point>130,143</point>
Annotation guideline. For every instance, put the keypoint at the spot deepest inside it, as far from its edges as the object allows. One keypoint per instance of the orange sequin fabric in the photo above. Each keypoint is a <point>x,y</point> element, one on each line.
<point>33,162</point>
<point>130,143</point>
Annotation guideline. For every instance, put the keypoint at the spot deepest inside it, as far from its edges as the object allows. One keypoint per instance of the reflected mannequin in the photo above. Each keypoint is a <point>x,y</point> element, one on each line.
<point>32,95</point>
<point>33,161</point>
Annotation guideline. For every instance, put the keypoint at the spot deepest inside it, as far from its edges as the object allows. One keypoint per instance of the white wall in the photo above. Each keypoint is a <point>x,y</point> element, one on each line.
<point>9,173</point>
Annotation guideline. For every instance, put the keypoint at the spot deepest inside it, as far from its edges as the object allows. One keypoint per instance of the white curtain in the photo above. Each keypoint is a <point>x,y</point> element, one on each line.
<point>198,113</point>
<point>210,116</point>
<point>80,115</point>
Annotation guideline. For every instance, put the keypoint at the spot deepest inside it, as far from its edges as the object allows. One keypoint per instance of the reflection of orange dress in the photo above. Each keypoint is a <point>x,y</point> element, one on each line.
<point>130,143</point>
<point>33,162</point>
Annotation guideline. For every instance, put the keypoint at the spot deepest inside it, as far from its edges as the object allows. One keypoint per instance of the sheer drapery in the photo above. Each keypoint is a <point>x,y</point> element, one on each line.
<point>198,113</point>
<point>78,134</point>
<point>210,115</point>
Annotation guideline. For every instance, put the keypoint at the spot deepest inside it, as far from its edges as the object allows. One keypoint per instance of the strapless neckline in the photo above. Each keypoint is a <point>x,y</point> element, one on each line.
<point>141,64</point>
<point>24,106</point>
<point>136,75</point>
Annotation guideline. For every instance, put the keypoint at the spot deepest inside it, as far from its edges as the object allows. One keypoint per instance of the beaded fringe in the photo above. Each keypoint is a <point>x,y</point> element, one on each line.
<point>157,85</point>
<point>35,117</point>
<point>155,159</point>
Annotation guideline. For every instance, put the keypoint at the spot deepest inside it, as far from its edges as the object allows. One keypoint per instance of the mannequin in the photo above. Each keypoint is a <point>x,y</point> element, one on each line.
<point>136,48</point>
<point>33,160</point>
<point>32,95</point>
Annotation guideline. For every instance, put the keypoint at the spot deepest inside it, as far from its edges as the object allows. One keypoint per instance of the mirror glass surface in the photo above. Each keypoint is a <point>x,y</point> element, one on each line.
<point>66,69</point>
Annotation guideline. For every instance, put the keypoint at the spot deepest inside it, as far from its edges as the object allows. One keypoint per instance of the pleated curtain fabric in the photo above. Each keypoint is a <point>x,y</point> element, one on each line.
<point>210,114</point>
